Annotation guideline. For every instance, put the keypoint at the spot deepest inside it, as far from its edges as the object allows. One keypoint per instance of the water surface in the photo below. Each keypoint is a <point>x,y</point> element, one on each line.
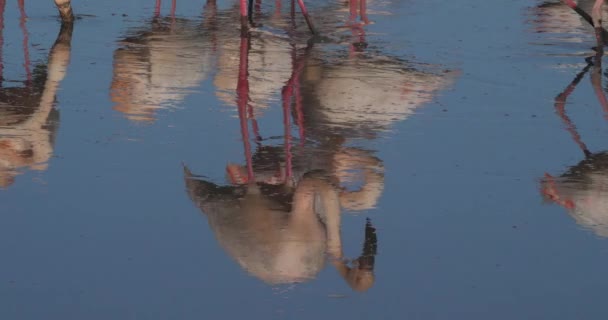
<point>419,166</point>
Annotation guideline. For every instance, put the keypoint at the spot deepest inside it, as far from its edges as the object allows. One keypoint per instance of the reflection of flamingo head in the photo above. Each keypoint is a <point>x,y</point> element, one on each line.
<point>583,191</point>
<point>360,279</point>
<point>550,192</point>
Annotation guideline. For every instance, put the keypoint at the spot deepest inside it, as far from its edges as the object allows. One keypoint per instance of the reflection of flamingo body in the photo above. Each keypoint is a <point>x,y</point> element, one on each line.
<point>157,68</point>
<point>28,119</point>
<point>582,190</point>
<point>368,94</point>
<point>279,235</point>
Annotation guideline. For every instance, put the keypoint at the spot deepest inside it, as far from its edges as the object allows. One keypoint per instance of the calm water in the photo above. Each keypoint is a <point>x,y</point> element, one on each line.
<point>417,167</point>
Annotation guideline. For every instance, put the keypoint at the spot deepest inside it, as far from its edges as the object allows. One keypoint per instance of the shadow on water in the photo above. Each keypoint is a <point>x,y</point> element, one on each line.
<point>28,118</point>
<point>280,213</point>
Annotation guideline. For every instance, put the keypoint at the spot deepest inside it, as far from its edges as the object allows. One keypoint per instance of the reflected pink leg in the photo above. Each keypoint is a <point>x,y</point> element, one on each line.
<point>244,23</point>
<point>287,95</point>
<point>2,6</point>
<point>353,11</point>
<point>299,112</point>
<point>560,108</point>
<point>254,123</point>
<point>258,7</point>
<point>157,8</point>
<point>363,12</point>
<point>173,7</point>
<point>306,16</point>
<point>209,18</point>
<point>26,49</point>
<point>242,93</point>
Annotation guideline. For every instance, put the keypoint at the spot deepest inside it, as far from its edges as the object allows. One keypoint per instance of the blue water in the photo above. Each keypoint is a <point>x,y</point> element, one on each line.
<point>108,230</point>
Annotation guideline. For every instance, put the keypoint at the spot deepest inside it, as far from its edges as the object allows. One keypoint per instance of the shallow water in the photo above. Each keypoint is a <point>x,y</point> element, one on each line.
<point>419,166</point>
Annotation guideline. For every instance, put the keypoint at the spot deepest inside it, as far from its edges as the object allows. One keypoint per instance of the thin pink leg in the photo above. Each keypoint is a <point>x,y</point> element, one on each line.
<point>254,123</point>
<point>277,7</point>
<point>26,49</point>
<point>299,112</point>
<point>173,7</point>
<point>2,6</point>
<point>560,108</point>
<point>363,12</point>
<point>287,95</point>
<point>244,23</point>
<point>258,7</point>
<point>306,16</point>
<point>242,93</point>
<point>353,11</point>
<point>292,90</point>
<point>157,8</point>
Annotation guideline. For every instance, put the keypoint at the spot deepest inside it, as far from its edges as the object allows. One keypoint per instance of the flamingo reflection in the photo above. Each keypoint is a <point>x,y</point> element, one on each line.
<point>582,188</point>
<point>159,65</point>
<point>280,213</point>
<point>28,118</point>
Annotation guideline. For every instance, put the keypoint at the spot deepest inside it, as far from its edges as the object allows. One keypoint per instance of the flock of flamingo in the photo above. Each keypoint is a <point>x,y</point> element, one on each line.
<point>279,214</point>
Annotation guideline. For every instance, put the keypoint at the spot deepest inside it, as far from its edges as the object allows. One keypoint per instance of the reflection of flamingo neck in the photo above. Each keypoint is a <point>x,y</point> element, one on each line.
<point>550,190</point>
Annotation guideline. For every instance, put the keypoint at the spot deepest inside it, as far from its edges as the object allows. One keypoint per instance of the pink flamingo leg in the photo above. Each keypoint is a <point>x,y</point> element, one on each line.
<point>299,112</point>
<point>26,50</point>
<point>244,23</point>
<point>287,95</point>
<point>173,7</point>
<point>242,92</point>
<point>363,12</point>
<point>353,11</point>
<point>277,5</point>
<point>157,8</point>
<point>254,123</point>
<point>306,16</point>
<point>2,6</point>
<point>560,108</point>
